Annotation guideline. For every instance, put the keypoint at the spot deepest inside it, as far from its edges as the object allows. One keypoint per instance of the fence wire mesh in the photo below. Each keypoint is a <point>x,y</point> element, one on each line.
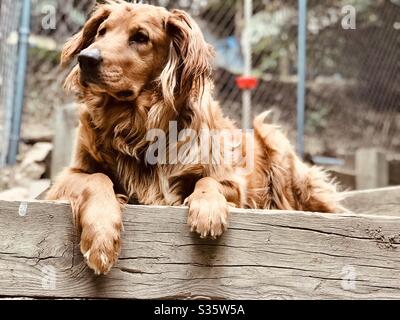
<point>353,90</point>
<point>9,22</point>
<point>354,79</point>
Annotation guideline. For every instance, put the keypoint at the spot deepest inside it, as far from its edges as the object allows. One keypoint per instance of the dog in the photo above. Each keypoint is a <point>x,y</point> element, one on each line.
<point>141,68</point>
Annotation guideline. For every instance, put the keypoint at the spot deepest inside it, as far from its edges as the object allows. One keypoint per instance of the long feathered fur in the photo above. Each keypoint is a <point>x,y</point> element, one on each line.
<point>170,81</point>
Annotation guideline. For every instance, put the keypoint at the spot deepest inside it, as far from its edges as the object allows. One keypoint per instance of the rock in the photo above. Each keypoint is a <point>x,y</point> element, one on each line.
<point>33,133</point>
<point>32,190</point>
<point>31,171</point>
<point>23,179</point>
<point>14,194</point>
<point>37,153</point>
<point>34,163</point>
<point>6,175</point>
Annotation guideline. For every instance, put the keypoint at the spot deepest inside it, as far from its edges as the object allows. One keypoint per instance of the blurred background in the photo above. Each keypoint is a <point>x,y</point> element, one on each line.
<point>351,122</point>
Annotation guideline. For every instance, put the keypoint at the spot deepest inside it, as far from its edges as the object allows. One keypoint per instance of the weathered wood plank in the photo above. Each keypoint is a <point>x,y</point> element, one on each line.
<point>263,255</point>
<point>375,201</point>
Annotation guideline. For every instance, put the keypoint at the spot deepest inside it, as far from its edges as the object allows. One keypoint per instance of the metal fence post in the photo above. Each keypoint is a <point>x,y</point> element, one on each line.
<point>10,11</point>
<point>301,75</point>
<point>23,45</point>
<point>246,46</point>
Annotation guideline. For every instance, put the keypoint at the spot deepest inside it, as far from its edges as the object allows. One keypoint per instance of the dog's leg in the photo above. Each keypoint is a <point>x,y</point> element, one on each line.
<point>97,213</point>
<point>208,208</point>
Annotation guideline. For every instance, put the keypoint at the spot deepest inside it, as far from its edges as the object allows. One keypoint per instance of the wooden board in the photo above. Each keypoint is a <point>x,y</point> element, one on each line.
<point>375,201</point>
<point>277,255</point>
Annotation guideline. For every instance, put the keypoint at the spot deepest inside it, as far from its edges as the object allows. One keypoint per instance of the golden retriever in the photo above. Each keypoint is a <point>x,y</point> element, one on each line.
<point>140,69</point>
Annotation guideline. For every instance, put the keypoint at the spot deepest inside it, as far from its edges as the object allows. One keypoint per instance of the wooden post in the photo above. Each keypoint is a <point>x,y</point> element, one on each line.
<point>394,171</point>
<point>65,127</point>
<point>372,169</point>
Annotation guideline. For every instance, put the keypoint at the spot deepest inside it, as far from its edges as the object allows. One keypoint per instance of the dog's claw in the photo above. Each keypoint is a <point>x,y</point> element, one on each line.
<point>100,249</point>
<point>208,214</point>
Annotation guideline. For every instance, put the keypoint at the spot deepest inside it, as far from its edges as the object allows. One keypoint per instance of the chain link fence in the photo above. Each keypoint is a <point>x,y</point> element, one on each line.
<point>353,93</point>
<point>9,17</point>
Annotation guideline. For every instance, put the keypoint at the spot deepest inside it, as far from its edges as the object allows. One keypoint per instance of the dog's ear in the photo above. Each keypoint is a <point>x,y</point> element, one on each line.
<point>85,37</point>
<point>190,58</point>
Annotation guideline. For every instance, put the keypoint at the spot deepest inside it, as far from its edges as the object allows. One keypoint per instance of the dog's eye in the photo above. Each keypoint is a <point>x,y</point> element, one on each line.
<point>102,32</point>
<point>139,37</point>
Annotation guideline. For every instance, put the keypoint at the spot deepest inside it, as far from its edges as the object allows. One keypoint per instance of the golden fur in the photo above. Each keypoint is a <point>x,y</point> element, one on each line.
<point>170,78</point>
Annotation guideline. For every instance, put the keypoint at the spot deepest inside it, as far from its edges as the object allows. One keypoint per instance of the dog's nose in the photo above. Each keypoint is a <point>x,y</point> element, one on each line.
<point>89,59</point>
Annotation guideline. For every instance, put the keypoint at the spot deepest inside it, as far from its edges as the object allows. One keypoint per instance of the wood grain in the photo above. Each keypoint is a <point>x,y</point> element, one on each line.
<point>264,255</point>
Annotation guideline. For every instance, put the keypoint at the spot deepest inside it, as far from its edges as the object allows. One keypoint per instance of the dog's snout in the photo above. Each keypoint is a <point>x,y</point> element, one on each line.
<point>89,59</point>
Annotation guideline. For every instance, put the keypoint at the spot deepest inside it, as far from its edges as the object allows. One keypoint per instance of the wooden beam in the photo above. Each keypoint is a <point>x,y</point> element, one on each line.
<point>263,255</point>
<point>374,201</point>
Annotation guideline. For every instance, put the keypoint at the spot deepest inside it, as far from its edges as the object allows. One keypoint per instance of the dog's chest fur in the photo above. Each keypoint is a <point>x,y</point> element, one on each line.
<point>143,183</point>
<point>152,184</point>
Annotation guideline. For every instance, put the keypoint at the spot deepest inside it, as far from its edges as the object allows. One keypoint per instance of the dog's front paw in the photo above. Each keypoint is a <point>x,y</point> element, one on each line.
<point>100,247</point>
<point>208,214</point>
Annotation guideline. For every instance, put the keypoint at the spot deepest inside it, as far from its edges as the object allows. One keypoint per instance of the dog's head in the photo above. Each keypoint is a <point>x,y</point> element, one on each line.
<point>124,49</point>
